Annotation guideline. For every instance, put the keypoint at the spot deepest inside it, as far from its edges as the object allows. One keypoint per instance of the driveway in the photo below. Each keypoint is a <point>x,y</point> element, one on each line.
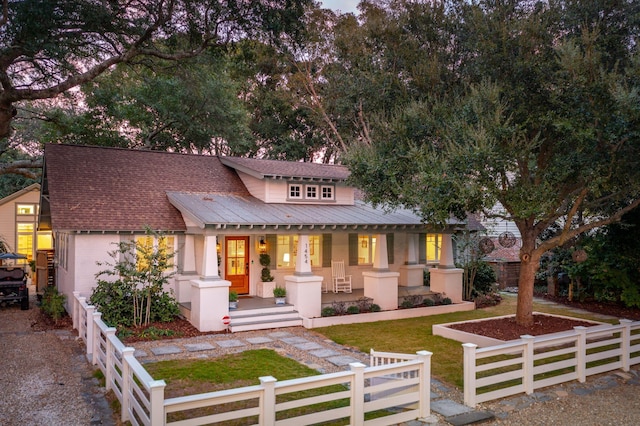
<point>45,378</point>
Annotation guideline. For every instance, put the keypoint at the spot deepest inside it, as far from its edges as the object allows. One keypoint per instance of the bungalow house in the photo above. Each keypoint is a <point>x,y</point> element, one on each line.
<point>221,213</point>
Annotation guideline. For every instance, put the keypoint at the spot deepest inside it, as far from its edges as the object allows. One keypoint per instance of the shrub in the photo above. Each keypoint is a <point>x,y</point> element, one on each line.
<point>328,312</point>
<point>339,307</point>
<point>265,261</point>
<point>446,301</point>
<point>375,308</point>
<point>484,279</point>
<point>406,304</point>
<point>429,302</point>
<point>486,300</point>
<point>53,303</point>
<point>364,304</point>
<point>353,309</point>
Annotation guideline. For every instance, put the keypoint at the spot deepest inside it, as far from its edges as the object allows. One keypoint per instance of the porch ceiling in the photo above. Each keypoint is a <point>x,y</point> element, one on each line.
<point>224,211</point>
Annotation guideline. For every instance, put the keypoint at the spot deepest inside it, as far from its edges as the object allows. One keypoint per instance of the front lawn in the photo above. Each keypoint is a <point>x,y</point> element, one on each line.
<point>414,334</point>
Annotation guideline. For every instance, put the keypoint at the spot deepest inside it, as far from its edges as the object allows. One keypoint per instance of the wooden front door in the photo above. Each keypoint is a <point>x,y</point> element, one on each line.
<point>237,263</point>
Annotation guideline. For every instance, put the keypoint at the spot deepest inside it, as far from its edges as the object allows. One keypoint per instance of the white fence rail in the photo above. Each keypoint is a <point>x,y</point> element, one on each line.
<point>535,362</point>
<point>396,388</point>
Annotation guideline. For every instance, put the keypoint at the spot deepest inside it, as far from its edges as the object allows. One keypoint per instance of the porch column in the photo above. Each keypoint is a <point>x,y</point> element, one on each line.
<point>209,294</point>
<point>304,290</point>
<point>380,284</point>
<point>183,280</point>
<point>210,259</point>
<point>446,278</point>
<point>412,273</point>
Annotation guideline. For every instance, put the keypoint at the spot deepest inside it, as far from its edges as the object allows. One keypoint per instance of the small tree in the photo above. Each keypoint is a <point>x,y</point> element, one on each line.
<point>265,261</point>
<point>136,296</point>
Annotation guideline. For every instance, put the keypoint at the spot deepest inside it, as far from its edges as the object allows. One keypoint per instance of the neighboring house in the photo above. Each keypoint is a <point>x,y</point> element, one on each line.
<point>18,222</point>
<point>220,213</point>
<point>505,257</point>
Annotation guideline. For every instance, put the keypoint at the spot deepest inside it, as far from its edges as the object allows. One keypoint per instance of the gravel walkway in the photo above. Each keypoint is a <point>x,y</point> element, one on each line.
<point>38,387</point>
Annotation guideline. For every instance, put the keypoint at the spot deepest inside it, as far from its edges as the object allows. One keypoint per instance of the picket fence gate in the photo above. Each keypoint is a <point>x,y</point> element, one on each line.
<point>394,389</point>
<point>532,363</point>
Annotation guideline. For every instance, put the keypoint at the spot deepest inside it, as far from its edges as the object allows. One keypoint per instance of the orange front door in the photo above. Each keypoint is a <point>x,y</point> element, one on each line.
<point>237,263</point>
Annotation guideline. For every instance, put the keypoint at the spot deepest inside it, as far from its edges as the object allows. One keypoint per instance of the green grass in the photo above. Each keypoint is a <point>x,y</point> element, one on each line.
<point>414,334</point>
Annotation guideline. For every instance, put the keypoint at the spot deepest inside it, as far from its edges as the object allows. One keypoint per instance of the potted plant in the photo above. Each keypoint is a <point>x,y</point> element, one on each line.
<point>266,285</point>
<point>280,293</point>
<point>233,299</point>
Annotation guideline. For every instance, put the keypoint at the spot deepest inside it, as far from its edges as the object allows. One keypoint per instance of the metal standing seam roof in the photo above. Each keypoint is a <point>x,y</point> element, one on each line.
<point>233,210</point>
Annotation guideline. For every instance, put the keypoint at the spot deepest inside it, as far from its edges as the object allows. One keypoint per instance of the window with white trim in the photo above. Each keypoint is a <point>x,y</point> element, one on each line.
<point>287,251</point>
<point>366,248</point>
<point>311,192</point>
<point>433,242</point>
<point>295,191</point>
<point>327,192</point>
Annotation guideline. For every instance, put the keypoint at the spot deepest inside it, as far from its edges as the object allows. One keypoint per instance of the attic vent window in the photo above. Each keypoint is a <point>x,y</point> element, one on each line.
<point>311,192</point>
<point>327,192</point>
<point>295,191</point>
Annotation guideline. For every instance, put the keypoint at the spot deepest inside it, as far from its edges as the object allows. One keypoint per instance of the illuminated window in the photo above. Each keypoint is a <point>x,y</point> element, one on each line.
<point>25,209</point>
<point>366,248</point>
<point>25,234</point>
<point>287,250</point>
<point>433,247</point>
<point>146,246</point>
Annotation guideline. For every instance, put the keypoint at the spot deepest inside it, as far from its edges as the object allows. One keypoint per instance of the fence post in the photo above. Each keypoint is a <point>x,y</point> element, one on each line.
<point>156,400</point>
<point>89,330</point>
<point>581,353</point>
<point>469,374</point>
<point>527,363</point>
<point>82,327</point>
<point>109,363</point>
<point>357,393</point>
<point>96,337</point>
<point>425,384</point>
<point>127,353</point>
<point>268,411</point>
<point>626,343</point>
<point>75,309</point>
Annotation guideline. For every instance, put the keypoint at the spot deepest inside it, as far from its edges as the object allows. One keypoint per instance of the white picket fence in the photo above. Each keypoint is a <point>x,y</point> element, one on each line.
<point>535,362</point>
<point>396,388</point>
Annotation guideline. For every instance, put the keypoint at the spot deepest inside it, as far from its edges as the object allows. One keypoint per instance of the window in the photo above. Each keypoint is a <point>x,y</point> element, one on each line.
<point>25,234</point>
<point>295,191</point>
<point>25,209</point>
<point>366,248</point>
<point>287,250</point>
<point>311,192</point>
<point>146,246</point>
<point>433,247</point>
<point>327,192</point>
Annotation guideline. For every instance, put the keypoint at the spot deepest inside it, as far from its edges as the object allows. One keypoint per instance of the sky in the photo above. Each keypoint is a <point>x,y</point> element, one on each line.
<point>345,6</point>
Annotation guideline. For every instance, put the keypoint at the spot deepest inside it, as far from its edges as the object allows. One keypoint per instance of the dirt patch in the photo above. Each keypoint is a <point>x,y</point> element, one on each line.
<point>507,328</point>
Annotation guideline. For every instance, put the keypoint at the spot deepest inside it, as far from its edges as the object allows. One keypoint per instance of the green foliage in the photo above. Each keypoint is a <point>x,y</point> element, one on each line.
<point>375,308</point>
<point>265,261</point>
<point>233,296</point>
<point>446,301</point>
<point>279,291</point>
<point>353,309</point>
<point>130,292</point>
<point>485,278</point>
<point>328,312</point>
<point>429,302</point>
<point>53,303</point>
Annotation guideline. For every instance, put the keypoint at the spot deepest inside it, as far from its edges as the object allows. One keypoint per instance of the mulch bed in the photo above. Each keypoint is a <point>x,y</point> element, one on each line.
<point>507,328</point>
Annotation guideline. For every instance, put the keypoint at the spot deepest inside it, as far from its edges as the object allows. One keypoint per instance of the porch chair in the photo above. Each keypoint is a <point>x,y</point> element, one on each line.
<point>341,282</point>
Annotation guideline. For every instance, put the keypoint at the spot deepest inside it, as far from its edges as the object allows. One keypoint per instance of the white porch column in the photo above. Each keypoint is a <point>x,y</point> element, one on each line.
<point>303,260</point>
<point>446,278</point>
<point>446,252</point>
<point>304,290</point>
<point>183,280</point>
<point>209,294</point>
<point>210,258</point>
<point>412,273</point>
<point>380,284</point>
<point>380,256</point>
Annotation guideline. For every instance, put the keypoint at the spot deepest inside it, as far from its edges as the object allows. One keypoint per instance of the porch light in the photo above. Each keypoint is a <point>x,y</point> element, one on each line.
<point>364,242</point>
<point>262,245</point>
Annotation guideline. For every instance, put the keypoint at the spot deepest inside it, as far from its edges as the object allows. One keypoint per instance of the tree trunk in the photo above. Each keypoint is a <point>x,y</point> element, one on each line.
<point>7,112</point>
<point>529,264</point>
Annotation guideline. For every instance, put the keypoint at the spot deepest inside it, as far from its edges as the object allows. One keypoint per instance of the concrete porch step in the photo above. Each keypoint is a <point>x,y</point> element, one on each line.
<point>275,316</point>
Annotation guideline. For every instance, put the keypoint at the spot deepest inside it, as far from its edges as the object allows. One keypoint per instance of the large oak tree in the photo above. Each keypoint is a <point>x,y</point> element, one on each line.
<point>541,114</point>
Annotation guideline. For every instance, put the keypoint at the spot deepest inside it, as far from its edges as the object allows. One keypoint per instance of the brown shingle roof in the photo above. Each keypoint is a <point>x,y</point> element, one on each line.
<point>286,169</point>
<point>96,188</point>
